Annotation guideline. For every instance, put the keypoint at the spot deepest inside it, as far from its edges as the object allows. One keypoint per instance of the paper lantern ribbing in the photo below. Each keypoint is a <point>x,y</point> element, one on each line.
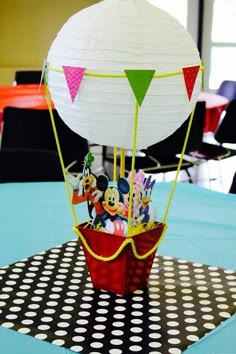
<point>112,37</point>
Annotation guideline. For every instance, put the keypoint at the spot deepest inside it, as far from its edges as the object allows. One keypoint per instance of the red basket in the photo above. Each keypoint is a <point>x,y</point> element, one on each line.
<point>125,273</point>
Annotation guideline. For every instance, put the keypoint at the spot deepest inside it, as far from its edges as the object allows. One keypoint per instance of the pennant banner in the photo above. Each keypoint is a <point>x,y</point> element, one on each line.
<point>190,75</point>
<point>74,76</point>
<point>140,81</point>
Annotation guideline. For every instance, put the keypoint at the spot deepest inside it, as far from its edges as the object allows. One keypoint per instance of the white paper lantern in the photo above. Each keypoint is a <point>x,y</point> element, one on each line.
<point>108,38</point>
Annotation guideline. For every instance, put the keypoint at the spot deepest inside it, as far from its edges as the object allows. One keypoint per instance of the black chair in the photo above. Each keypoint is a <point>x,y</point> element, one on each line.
<point>27,77</point>
<point>32,129</point>
<point>225,134</point>
<point>163,156</point>
<point>227,89</point>
<point>232,188</point>
<point>29,165</point>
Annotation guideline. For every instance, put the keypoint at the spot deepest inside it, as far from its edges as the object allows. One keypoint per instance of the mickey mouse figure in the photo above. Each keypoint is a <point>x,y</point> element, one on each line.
<point>92,189</point>
<point>113,204</point>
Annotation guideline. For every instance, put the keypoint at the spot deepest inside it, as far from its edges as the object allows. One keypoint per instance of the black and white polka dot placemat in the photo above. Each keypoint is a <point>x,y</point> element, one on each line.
<point>50,297</point>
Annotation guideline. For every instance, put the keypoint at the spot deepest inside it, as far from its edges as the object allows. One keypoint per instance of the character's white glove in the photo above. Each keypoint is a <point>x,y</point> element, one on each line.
<point>97,195</point>
<point>74,181</point>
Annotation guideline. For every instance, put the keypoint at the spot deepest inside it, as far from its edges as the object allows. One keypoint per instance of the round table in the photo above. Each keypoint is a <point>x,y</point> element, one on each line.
<point>22,96</point>
<point>215,104</point>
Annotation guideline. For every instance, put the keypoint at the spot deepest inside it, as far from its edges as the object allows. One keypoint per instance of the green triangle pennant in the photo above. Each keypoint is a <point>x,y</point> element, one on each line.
<point>140,81</point>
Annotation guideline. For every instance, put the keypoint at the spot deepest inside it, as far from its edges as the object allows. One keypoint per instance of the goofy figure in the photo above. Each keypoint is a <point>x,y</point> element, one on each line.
<point>92,189</point>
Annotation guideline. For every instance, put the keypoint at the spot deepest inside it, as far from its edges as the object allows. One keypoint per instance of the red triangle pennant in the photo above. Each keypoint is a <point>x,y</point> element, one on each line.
<point>74,76</point>
<point>190,75</point>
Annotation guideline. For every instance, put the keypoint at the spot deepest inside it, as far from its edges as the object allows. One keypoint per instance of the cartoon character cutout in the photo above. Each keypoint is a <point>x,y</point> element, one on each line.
<point>136,197</point>
<point>113,204</point>
<point>92,189</point>
<point>146,215</point>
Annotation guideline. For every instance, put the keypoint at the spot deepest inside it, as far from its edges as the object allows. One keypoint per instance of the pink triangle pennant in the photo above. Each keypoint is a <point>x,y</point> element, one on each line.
<point>190,75</point>
<point>74,76</point>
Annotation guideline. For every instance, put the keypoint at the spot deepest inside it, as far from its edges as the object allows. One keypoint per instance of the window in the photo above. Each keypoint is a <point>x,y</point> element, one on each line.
<point>219,42</point>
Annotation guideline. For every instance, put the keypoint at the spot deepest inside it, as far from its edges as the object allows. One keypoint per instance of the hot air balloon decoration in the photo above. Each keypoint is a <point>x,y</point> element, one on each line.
<point>125,74</point>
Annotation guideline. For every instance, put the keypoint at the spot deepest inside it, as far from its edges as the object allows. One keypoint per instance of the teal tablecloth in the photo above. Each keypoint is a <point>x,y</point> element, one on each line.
<point>201,228</point>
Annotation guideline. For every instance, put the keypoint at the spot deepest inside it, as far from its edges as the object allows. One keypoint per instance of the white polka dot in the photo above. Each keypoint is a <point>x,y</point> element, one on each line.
<point>82,322</point>
<point>208,317</point>
<point>174,351</point>
<point>80,330</point>
<point>100,327</point>
<point>118,324</point>
<point>7,289</point>
<point>206,309</point>
<point>63,324</point>
<point>209,325</point>
<point>46,319</point>
<point>41,336</point>
<point>174,341</point>
<point>154,335</point>
<point>191,328</point>
<point>136,339</point>
<point>33,306</point>
<point>155,344</point>
<point>52,303</point>
<point>223,306</point>
<point>115,351</point>
<point>7,324</point>
<point>15,309</point>
<point>27,322</point>
<point>60,333</point>
<point>11,317</point>
<point>154,327</point>
<point>172,324</point>
<point>58,342</point>
<point>24,330</point>
<point>43,327</point>
<point>49,311</point>
<point>173,332</point>
<point>116,342</point>
<point>193,338</point>
<point>172,315</point>
<point>135,348</point>
<point>76,348</point>
<point>224,314</point>
<point>96,345</point>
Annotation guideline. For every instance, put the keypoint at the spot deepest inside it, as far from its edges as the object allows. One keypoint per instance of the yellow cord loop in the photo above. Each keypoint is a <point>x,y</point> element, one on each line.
<point>128,240</point>
<point>48,98</point>
<point>133,166</point>
<point>156,76</point>
<point>179,166</point>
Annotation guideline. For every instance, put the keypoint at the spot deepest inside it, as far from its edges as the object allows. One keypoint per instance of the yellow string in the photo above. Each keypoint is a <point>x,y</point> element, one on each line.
<point>122,162</point>
<point>114,164</point>
<point>156,76</point>
<point>128,240</point>
<point>133,165</point>
<point>179,166</point>
<point>48,98</point>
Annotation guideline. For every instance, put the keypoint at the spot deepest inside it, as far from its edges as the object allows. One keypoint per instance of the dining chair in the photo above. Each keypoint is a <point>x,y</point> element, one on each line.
<point>227,89</point>
<point>27,77</point>
<point>29,165</point>
<point>232,188</point>
<point>32,129</point>
<point>225,134</point>
<point>163,157</point>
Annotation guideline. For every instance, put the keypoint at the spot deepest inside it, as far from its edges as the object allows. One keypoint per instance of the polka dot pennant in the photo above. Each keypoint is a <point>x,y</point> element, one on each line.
<point>50,297</point>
